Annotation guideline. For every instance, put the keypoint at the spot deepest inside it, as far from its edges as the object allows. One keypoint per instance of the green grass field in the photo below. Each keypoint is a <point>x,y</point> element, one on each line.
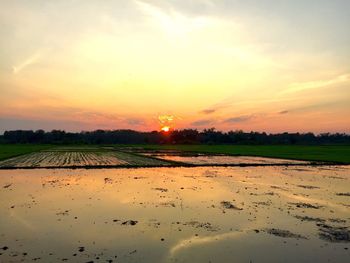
<point>12,150</point>
<point>334,153</point>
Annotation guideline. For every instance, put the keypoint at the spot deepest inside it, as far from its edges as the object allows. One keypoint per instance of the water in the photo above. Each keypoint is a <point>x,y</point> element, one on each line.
<point>84,215</point>
<point>225,159</point>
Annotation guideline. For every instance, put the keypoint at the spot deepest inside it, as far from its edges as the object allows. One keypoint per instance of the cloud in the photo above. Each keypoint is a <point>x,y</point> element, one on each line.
<point>135,121</point>
<point>29,61</point>
<point>301,86</point>
<point>166,120</point>
<point>283,112</point>
<point>68,118</point>
<point>202,122</point>
<point>208,111</point>
<point>171,21</point>
<point>340,103</point>
<point>239,119</point>
<point>225,103</point>
<point>48,125</point>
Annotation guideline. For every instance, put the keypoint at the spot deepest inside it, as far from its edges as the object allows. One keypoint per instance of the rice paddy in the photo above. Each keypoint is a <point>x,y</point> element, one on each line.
<point>171,206</point>
<point>74,159</point>
<point>176,214</point>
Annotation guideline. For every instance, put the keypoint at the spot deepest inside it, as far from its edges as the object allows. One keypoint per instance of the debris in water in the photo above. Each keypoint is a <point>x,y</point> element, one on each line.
<point>130,222</point>
<point>306,205</point>
<point>334,233</point>
<point>343,194</point>
<point>283,233</point>
<point>229,205</point>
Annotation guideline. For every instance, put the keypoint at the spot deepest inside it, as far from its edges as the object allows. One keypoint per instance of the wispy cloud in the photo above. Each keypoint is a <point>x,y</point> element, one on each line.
<point>231,101</point>
<point>301,86</point>
<point>318,106</point>
<point>135,121</point>
<point>208,111</point>
<point>29,61</point>
<point>172,22</point>
<point>202,122</point>
<point>218,106</point>
<point>238,119</point>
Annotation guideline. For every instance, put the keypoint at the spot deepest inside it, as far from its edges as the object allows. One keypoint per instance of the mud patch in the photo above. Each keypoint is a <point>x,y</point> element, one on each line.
<point>267,203</point>
<point>334,233</point>
<point>343,194</point>
<point>306,205</point>
<point>337,220</point>
<point>229,205</point>
<point>283,233</point>
<point>63,213</point>
<point>108,180</point>
<point>310,219</point>
<point>308,186</point>
<point>163,190</point>
<point>278,187</point>
<point>168,204</point>
<point>207,226</point>
<point>129,223</point>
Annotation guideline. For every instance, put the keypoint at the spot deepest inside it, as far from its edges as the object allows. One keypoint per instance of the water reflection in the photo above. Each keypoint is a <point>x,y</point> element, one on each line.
<point>174,214</point>
<point>223,159</point>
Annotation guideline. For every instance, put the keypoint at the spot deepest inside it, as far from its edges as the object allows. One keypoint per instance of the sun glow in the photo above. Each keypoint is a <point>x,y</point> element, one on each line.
<point>166,122</point>
<point>165,128</point>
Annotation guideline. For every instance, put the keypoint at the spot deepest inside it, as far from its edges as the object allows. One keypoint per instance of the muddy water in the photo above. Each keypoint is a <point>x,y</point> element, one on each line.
<point>224,159</point>
<point>206,214</point>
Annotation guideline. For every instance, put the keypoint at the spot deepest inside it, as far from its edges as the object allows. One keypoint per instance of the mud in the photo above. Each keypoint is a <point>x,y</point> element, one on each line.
<point>306,205</point>
<point>283,233</point>
<point>229,205</point>
<point>334,233</point>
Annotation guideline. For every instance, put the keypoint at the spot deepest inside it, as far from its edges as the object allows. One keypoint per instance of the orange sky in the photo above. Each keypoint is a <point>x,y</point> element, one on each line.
<point>251,65</point>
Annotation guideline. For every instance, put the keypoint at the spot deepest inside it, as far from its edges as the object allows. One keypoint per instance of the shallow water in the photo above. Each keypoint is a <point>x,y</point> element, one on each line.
<point>225,159</point>
<point>202,214</point>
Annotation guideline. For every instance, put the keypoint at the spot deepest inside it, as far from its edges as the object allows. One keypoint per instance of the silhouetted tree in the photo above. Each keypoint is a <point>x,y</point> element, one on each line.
<point>186,136</point>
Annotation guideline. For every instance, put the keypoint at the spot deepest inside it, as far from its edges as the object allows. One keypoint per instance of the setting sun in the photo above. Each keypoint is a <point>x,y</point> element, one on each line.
<point>165,128</point>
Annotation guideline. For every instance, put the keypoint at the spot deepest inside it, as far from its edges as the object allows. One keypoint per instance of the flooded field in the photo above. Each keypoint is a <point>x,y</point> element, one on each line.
<point>76,158</point>
<point>108,157</point>
<point>224,159</point>
<point>197,214</point>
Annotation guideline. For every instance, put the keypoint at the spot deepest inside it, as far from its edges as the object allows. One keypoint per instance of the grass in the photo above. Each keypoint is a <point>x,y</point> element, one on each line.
<point>332,153</point>
<point>12,150</point>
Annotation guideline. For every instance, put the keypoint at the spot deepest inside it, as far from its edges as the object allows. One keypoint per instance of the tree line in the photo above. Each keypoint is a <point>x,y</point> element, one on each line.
<point>186,136</point>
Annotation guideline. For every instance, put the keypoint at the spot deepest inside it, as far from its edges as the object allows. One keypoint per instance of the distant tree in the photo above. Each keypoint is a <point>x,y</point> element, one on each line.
<point>186,136</point>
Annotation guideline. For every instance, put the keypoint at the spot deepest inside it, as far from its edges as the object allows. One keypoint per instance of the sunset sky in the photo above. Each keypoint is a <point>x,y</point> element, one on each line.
<point>263,65</point>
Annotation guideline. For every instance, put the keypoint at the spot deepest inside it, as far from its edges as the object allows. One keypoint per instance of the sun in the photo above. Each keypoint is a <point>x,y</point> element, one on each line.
<point>165,128</point>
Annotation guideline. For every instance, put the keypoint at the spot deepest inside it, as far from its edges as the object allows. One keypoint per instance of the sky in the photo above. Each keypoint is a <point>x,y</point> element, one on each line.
<point>261,65</point>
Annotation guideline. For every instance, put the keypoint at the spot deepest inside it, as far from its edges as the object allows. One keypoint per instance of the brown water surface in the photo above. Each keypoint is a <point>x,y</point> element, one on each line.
<point>201,214</point>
